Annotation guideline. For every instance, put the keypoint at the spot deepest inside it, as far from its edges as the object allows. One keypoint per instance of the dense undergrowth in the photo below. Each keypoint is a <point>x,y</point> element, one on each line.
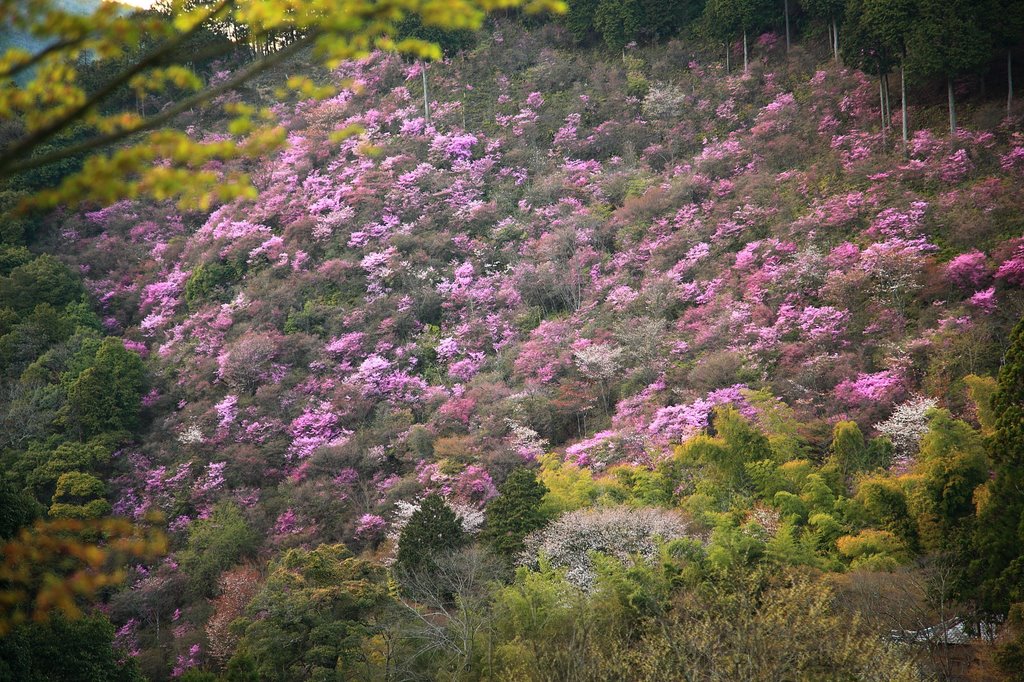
<point>746,345</point>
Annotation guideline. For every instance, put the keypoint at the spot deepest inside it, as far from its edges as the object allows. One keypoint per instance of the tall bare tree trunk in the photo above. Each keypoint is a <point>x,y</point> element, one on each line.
<point>745,58</point>
<point>903,104</point>
<point>835,39</point>
<point>728,49</point>
<point>426,96</point>
<point>785,5</point>
<point>1009,82</point>
<point>881,104</point>
<point>888,105</point>
<point>952,106</point>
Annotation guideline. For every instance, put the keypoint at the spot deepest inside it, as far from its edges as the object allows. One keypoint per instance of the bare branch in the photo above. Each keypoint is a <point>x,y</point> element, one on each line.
<point>164,116</point>
<point>30,142</point>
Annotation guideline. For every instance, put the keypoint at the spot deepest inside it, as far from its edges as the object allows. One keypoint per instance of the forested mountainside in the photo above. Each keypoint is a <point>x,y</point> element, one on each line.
<point>590,366</point>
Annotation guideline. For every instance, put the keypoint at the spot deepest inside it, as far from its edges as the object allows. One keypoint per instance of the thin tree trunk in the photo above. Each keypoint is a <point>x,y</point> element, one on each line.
<point>881,105</point>
<point>745,58</point>
<point>835,38</point>
<point>1009,82</point>
<point>785,5</point>
<point>426,96</point>
<point>728,68</point>
<point>952,106</point>
<point>903,104</point>
<point>889,109</point>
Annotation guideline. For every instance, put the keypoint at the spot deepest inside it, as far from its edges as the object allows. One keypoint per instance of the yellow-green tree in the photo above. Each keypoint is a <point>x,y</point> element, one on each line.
<point>125,152</point>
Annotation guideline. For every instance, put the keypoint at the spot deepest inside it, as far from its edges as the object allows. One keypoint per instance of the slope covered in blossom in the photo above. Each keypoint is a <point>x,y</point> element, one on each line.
<point>574,255</point>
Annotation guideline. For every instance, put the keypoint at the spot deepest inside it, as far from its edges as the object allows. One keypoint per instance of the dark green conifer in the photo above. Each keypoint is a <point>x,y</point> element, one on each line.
<point>515,513</point>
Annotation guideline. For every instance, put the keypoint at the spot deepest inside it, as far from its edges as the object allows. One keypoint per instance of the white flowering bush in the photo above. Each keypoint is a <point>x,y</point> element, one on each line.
<point>906,426</point>
<point>622,532</point>
<point>599,362</point>
<point>664,101</point>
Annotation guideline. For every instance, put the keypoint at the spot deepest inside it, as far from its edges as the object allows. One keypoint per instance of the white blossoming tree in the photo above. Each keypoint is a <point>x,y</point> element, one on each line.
<point>906,426</point>
<point>623,532</point>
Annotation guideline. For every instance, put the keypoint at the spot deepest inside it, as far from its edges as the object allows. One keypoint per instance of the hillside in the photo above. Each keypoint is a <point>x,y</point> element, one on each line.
<point>725,301</point>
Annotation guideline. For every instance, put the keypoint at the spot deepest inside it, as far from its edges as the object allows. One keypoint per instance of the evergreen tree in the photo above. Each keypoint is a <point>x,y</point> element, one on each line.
<point>17,509</point>
<point>580,20</point>
<point>619,22</point>
<point>948,41</point>
<point>998,568</point>
<point>876,41</point>
<point>432,529</point>
<point>721,23</point>
<point>831,13</point>
<point>515,513</point>
<point>1004,19</point>
<point>724,19</point>
<point>106,396</point>
<point>79,650</point>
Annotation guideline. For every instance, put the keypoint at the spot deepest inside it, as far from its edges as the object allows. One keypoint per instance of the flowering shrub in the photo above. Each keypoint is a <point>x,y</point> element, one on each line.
<point>906,426</point>
<point>625,533</point>
<point>677,423</point>
<point>874,387</point>
<point>426,306</point>
<point>968,269</point>
<point>370,527</point>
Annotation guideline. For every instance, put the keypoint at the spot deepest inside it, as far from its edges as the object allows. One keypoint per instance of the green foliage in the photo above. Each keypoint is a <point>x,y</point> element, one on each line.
<point>619,22</point>
<point>736,546</point>
<point>450,41</point>
<point>948,38</point>
<point>788,548</point>
<point>79,496</point>
<point>766,478</point>
<point>41,280</point>
<point>17,508</point>
<point>725,19</point>
<point>48,465</point>
<point>981,391</point>
<point>212,282</point>
<point>780,425</point>
<point>875,550</point>
<point>12,256</point>
<point>725,458</point>
<point>311,618</point>
<point>432,529</point>
<point>197,675</point>
<point>67,650</point>
<point>1009,654</point>
<point>848,453</point>
<point>569,487</point>
<point>876,33</point>
<point>105,396</point>
<point>515,513</point>
<point>824,530</point>
<point>885,501</point>
<point>216,544</point>
<point>951,465</point>
<point>539,620</point>
<point>998,567</point>
<point>645,487</point>
<point>824,9</point>
<point>790,506</point>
